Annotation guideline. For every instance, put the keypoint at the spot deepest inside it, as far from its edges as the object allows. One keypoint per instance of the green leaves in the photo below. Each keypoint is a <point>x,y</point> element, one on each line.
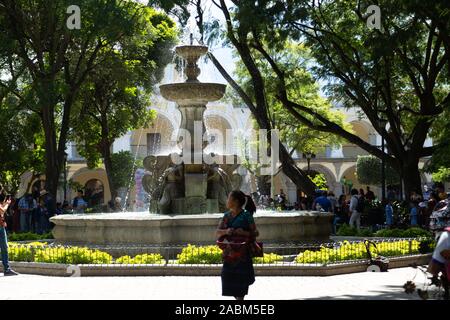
<point>295,60</point>
<point>115,99</point>
<point>368,171</point>
<point>122,169</point>
<point>441,175</point>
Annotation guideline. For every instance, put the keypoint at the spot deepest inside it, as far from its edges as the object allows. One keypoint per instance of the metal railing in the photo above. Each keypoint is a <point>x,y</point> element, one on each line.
<point>312,254</point>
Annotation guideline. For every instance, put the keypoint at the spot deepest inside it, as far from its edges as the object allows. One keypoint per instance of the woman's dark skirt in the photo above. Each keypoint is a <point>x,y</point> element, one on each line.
<point>236,278</point>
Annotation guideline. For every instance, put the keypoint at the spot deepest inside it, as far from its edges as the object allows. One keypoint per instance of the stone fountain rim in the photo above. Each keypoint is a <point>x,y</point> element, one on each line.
<point>192,46</point>
<point>190,97</point>
<point>139,216</point>
<point>184,84</point>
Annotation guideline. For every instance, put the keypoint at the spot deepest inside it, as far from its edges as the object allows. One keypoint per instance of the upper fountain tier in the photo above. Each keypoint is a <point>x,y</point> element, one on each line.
<point>192,92</point>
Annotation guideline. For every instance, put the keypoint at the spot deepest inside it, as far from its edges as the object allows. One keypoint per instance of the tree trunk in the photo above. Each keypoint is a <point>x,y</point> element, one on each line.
<point>52,159</point>
<point>107,161</point>
<point>298,177</point>
<point>411,177</point>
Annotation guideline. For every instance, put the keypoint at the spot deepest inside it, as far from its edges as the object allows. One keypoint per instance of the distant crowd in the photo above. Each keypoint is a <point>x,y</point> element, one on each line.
<point>32,212</point>
<point>348,209</point>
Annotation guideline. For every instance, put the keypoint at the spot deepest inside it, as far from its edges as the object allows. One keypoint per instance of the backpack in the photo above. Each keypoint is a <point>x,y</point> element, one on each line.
<point>360,204</point>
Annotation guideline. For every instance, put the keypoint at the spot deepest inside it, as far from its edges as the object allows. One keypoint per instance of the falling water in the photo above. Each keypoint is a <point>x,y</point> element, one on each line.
<point>132,171</point>
<point>138,148</point>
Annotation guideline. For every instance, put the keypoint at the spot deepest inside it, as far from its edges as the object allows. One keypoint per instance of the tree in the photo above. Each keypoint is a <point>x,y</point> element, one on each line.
<point>123,168</point>
<point>439,164</point>
<point>399,73</point>
<point>51,62</point>
<point>368,171</point>
<point>115,100</point>
<point>295,136</point>
<point>319,180</point>
<point>21,147</point>
<point>441,175</point>
<point>256,101</point>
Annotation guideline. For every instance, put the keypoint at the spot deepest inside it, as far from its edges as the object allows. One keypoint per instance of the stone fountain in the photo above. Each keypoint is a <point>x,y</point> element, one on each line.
<point>190,186</point>
<point>189,194</point>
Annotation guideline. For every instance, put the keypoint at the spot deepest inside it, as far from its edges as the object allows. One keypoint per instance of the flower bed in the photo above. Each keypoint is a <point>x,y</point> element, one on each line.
<point>346,251</point>
<point>40,252</point>
<point>200,255</point>
<point>152,258</point>
<point>212,254</point>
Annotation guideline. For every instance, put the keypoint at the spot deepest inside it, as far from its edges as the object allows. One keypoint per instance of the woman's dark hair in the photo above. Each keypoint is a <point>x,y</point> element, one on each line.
<point>244,199</point>
<point>354,192</point>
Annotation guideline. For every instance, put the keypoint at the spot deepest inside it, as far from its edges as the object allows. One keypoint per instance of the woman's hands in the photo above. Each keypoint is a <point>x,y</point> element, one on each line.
<point>241,232</point>
<point>224,232</point>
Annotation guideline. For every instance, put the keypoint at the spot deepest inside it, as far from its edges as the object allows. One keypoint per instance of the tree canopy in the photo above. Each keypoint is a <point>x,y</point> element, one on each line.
<point>397,74</point>
<point>47,65</point>
<point>116,100</point>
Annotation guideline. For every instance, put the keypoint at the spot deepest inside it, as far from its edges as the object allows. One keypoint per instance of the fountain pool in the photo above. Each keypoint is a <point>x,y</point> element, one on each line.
<point>141,228</point>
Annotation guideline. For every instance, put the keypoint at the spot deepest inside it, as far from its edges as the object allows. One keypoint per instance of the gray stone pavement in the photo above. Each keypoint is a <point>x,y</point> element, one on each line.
<point>351,286</point>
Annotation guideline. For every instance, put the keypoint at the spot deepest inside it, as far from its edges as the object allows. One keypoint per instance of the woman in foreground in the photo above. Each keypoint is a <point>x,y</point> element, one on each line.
<point>236,231</point>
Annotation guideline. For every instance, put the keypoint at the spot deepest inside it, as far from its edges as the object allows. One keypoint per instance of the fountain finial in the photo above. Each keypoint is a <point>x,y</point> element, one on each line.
<point>191,38</point>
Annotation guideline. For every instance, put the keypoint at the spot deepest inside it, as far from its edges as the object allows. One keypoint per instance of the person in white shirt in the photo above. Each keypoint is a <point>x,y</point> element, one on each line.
<point>441,253</point>
<point>355,214</point>
<point>440,261</point>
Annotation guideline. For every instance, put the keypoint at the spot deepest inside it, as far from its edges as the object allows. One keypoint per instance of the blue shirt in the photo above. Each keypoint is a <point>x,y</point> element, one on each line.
<point>324,202</point>
<point>413,215</point>
<point>389,214</point>
<point>24,203</point>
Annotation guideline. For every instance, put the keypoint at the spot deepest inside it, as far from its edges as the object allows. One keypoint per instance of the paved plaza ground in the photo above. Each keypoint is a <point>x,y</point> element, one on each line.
<point>350,286</point>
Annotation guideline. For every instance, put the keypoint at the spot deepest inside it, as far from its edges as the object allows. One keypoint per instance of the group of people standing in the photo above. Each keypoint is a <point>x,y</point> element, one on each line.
<point>31,213</point>
<point>267,202</point>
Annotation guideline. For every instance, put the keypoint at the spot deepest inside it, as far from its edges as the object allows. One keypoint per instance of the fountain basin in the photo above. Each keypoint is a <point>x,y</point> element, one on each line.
<point>192,93</point>
<point>191,52</point>
<point>140,228</point>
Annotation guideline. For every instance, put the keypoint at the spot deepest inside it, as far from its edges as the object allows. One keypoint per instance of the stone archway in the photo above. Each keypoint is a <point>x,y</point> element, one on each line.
<point>365,131</point>
<point>330,177</point>
<point>349,180</point>
<point>84,175</point>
